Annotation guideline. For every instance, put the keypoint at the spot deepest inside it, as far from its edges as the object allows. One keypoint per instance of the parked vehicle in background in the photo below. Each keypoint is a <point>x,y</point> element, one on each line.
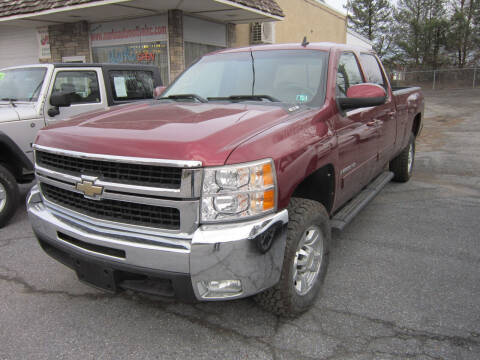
<point>35,96</point>
<point>227,186</point>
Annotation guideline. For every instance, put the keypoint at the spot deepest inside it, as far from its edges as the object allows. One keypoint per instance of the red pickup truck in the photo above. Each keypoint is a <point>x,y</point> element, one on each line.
<point>228,185</point>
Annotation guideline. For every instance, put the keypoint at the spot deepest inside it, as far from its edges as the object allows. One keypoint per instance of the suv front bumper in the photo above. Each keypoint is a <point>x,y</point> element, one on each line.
<point>194,266</point>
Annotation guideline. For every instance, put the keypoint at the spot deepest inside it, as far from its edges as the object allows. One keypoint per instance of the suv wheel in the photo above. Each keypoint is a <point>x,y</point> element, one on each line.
<point>8,195</point>
<point>305,261</point>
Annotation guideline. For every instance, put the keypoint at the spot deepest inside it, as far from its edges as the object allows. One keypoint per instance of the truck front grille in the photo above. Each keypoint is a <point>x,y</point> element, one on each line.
<point>113,210</point>
<point>118,172</point>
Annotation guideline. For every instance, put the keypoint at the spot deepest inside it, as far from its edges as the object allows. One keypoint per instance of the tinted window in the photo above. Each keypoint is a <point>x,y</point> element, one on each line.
<point>290,76</point>
<point>372,69</point>
<point>82,86</point>
<point>348,73</point>
<point>131,84</point>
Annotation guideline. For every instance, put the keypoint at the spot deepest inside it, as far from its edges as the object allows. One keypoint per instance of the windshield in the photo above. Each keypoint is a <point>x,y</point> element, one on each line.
<point>21,84</point>
<point>291,76</point>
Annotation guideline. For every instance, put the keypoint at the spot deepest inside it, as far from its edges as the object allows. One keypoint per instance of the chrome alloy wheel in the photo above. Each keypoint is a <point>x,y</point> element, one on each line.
<point>410,158</point>
<point>3,197</point>
<point>308,260</point>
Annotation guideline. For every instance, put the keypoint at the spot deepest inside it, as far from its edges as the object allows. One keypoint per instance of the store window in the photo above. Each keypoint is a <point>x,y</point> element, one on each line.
<point>193,51</point>
<point>153,53</point>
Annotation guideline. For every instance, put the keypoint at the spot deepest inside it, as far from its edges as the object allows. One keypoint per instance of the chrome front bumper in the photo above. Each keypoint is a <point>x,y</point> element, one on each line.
<point>211,253</point>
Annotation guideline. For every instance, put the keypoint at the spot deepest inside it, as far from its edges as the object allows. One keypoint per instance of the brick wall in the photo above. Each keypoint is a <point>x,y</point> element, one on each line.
<point>70,39</point>
<point>175,43</point>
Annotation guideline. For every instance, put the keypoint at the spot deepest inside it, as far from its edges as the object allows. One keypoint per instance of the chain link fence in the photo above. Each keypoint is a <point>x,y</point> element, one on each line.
<point>438,79</point>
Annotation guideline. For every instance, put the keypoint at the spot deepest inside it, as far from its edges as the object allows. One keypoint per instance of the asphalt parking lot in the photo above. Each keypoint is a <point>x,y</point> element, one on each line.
<point>403,282</point>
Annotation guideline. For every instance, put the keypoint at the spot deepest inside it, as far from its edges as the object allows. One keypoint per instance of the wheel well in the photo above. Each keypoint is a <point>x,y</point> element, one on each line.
<point>9,160</point>
<point>318,186</point>
<point>416,124</point>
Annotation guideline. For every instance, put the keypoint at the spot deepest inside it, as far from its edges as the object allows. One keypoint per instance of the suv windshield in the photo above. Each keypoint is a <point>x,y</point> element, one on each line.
<point>21,84</point>
<point>291,76</point>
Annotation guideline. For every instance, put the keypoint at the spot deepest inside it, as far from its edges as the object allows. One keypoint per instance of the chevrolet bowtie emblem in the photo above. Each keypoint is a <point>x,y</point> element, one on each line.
<point>88,189</point>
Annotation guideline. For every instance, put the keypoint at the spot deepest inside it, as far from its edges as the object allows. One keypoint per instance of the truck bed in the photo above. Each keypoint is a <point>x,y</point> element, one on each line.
<point>400,90</point>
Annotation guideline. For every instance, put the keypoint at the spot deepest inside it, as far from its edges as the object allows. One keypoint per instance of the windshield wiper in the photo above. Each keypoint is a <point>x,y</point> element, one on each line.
<point>185,96</point>
<point>246,97</point>
<point>10,101</point>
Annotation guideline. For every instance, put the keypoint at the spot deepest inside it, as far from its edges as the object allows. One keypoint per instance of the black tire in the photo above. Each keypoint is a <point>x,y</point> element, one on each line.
<point>400,166</point>
<point>10,201</point>
<point>283,299</point>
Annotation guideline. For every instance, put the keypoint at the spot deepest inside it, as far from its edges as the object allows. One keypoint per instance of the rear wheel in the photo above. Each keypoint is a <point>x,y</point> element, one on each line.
<point>8,195</point>
<point>305,260</point>
<point>402,165</point>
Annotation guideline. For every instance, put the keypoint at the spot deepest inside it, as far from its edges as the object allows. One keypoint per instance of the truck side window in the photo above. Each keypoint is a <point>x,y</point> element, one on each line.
<point>372,69</point>
<point>348,74</point>
<point>131,84</point>
<point>82,86</point>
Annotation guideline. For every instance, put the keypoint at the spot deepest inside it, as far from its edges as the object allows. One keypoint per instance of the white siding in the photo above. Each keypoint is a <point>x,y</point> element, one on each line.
<point>200,31</point>
<point>356,39</point>
<point>18,46</point>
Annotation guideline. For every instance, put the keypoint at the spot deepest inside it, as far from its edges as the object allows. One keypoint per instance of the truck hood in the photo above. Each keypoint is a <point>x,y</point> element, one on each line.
<point>20,112</point>
<point>206,132</point>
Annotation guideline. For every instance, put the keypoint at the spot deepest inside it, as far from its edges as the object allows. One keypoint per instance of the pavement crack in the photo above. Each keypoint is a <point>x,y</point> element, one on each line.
<point>9,241</point>
<point>264,343</point>
<point>12,276</point>
<point>405,333</point>
<point>5,243</point>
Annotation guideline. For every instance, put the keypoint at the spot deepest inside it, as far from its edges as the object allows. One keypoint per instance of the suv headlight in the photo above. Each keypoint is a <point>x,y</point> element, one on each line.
<point>242,191</point>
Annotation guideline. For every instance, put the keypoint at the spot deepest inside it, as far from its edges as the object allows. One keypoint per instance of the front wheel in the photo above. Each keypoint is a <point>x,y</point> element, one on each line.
<point>8,195</point>
<point>305,260</point>
<point>402,165</point>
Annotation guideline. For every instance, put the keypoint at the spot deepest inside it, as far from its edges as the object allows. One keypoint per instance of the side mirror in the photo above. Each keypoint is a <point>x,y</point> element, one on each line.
<point>363,95</point>
<point>60,99</point>
<point>158,91</point>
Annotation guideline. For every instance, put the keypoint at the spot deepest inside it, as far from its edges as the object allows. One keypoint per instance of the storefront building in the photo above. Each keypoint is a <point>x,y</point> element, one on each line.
<point>311,18</point>
<point>166,33</point>
<point>170,34</point>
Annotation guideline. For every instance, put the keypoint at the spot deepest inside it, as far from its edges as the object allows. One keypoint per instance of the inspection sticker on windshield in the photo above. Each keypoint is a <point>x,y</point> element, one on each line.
<point>2,75</point>
<point>302,98</point>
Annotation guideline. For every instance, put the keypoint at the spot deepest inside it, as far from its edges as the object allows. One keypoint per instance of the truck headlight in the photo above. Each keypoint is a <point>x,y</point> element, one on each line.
<point>242,191</point>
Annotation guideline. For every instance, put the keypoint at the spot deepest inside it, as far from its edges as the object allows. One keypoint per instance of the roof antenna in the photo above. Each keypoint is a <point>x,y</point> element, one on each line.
<point>305,42</point>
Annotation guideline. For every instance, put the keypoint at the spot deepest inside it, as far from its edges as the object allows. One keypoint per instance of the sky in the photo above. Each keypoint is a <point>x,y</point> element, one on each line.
<point>337,4</point>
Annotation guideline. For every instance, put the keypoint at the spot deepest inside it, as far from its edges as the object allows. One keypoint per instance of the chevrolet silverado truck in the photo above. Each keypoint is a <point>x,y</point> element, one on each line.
<point>230,183</point>
<point>35,96</point>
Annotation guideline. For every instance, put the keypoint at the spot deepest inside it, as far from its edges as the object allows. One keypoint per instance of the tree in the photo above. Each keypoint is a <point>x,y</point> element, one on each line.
<point>421,28</point>
<point>464,35</point>
<point>372,19</point>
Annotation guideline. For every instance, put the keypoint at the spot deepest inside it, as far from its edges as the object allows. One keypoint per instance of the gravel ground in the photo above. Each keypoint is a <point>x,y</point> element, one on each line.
<point>403,282</point>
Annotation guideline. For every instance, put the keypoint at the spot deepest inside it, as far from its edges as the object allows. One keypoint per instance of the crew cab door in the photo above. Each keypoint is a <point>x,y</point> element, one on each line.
<point>86,88</point>
<point>384,115</point>
<point>357,134</point>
